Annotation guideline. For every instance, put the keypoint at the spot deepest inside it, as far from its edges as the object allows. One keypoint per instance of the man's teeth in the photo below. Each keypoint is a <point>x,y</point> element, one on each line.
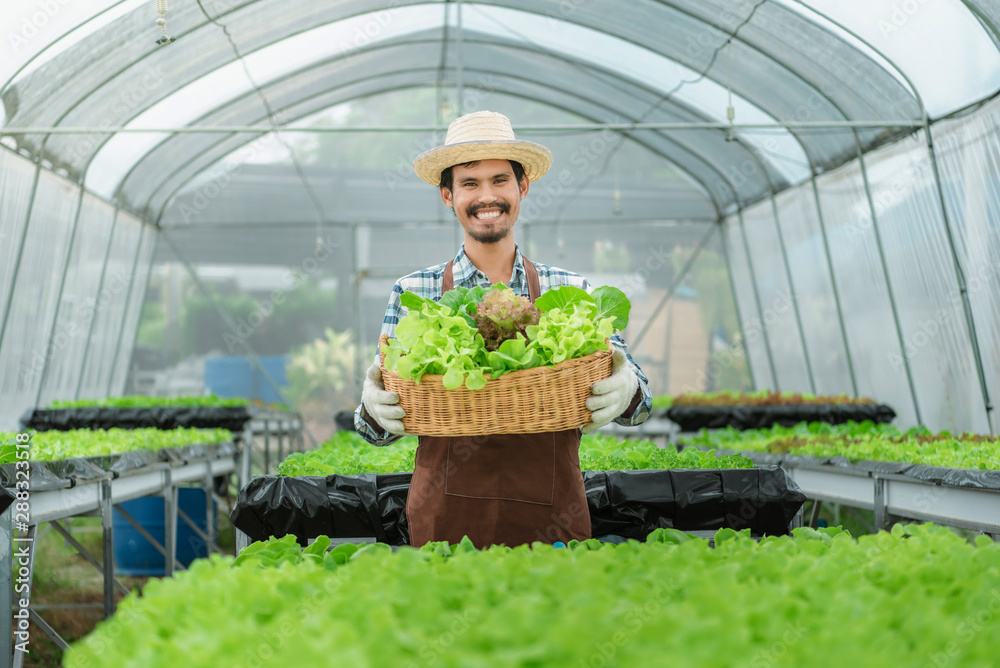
<point>487,215</point>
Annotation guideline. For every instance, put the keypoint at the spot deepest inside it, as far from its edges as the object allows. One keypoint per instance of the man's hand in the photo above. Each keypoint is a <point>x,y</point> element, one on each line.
<point>613,394</point>
<point>381,404</point>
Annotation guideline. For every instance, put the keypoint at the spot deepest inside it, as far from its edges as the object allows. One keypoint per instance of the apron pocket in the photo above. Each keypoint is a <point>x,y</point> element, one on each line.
<point>511,467</point>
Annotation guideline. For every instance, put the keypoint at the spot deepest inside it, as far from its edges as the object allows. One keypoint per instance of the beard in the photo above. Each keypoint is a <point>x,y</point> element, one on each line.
<point>488,236</point>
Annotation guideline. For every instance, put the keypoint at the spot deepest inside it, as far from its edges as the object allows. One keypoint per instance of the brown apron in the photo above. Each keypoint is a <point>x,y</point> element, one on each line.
<point>500,488</point>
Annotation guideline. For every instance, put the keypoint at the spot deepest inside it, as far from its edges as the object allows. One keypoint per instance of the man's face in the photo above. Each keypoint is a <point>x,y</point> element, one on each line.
<point>486,199</point>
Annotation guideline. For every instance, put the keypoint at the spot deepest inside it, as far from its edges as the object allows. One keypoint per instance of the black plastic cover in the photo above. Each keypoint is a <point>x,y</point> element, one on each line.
<point>344,420</point>
<point>6,498</point>
<point>161,417</point>
<point>693,418</point>
<point>625,503</point>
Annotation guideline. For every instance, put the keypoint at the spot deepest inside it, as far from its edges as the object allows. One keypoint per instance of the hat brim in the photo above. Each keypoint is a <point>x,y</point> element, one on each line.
<point>535,158</point>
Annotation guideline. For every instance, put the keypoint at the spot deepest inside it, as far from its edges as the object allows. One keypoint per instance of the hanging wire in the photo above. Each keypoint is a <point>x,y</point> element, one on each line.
<point>321,217</point>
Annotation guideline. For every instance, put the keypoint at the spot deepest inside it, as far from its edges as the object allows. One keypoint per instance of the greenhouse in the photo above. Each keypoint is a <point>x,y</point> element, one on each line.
<point>753,250</point>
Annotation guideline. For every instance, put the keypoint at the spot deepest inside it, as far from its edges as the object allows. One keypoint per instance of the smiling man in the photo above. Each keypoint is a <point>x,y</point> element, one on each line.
<point>500,488</point>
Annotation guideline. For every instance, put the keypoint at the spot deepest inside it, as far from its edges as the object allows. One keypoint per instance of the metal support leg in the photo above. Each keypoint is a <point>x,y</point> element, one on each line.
<point>197,530</point>
<point>170,499</point>
<point>281,441</point>
<point>209,513</point>
<point>242,540</point>
<point>30,541</point>
<point>760,307</point>
<point>142,532</point>
<point>85,553</point>
<point>881,516</point>
<point>6,568</point>
<point>108,537</point>
<point>814,515</point>
<point>267,447</point>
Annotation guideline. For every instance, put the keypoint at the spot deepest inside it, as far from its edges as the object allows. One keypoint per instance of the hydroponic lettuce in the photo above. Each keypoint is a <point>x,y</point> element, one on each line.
<point>472,334</point>
<point>761,398</point>
<point>150,402</point>
<point>57,445</point>
<point>861,441</point>
<point>918,596</point>
<point>346,453</point>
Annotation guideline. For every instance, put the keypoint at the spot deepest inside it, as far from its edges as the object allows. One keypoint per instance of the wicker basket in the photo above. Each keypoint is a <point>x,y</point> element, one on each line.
<point>528,401</point>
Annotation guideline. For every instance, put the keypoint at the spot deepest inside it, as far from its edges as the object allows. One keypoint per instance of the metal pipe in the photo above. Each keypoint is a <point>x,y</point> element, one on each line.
<point>108,543</point>
<point>888,281</point>
<point>756,296</point>
<point>736,302</point>
<point>6,586</point>
<point>459,92</point>
<point>963,287</point>
<point>145,283</point>
<point>429,129</point>
<point>124,320</point>
<point>795,299</point>
<point>833,283</point>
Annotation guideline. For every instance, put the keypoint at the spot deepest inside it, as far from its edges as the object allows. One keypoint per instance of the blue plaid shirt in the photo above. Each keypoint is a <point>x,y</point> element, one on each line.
<point>427,283</point>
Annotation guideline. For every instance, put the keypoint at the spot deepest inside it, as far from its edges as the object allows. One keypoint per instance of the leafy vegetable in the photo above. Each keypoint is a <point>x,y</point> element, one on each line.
<point>918,596</point>
<point>57,445</point>
<point>862,441</point>
<point>347,453</point>
<point>761,398</point>
<point>150,402</point>
<point>503,315</point>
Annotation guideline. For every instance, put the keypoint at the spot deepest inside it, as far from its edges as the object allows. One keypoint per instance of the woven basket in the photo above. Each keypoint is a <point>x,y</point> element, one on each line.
<point>528,401</point>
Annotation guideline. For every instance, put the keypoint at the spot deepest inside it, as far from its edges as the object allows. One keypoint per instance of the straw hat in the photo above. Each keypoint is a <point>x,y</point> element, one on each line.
<point>482,135</point>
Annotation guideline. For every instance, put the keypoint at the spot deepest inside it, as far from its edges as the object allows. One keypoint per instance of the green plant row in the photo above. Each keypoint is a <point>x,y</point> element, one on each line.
<point>918,596</point>
<point>150,402</point>
<point>56,445</point>
<point>862,441</point>
<point>346,453</point>
<point>759,398</point>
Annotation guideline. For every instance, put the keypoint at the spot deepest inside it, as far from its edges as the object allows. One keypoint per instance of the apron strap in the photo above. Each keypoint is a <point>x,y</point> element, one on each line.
<point>534,290</point>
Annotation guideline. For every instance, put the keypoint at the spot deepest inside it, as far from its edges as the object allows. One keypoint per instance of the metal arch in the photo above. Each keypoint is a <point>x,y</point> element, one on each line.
<point>3,88</point>
<point>984,21</point>
<point>613,82</point>
<point>350,16</point>
<point>20,250</point>
<point>145,284</point>
<point>899,70</point>
<point>667,159</point>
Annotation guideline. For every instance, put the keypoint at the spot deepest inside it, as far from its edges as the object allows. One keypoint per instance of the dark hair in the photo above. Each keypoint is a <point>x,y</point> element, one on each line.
<point>446,175</point>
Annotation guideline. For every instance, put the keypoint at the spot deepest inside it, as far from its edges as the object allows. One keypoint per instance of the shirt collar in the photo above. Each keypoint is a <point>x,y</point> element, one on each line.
<point>463,270</point>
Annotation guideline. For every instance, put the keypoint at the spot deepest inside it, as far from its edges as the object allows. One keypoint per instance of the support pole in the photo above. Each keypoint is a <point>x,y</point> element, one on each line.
<point>6,587</point>
<point>125,313</point>
<point>963,287</point>
<point>93,318</point>
<point>209,509</point>
<point>29,540</point>
<point>170,498</point>
<point>460,90</point>
<point>107,540</point>
<point>833,283</point>
<point>795,298</point>
<point>736,302</point>
<point>760,309</point>
<point>267,446</point>
<point>85,553</point>
<point>20,251</point>
<point>888,282</point>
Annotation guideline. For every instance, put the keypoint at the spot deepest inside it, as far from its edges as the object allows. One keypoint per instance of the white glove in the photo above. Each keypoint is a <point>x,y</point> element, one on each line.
<point>613,394</point>
<point>381,404</point>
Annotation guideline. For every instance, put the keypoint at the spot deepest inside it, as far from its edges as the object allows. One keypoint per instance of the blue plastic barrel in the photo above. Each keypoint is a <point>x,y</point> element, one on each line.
<point>235,376</point>
<point>134,555</point>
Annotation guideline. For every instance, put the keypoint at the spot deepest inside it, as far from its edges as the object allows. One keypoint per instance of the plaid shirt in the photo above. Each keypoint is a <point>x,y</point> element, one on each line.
<point>427,283</point>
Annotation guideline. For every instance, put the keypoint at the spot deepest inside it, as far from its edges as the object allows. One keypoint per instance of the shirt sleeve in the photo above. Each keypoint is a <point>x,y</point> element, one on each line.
<point>363,423</point>
<point>645,406</point>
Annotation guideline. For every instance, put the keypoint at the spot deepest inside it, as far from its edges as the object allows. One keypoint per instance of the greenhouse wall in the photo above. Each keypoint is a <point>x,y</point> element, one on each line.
<point>70,262</point>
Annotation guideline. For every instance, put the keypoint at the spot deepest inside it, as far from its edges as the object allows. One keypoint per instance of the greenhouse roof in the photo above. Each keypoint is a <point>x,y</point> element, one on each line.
<point>826,79</point>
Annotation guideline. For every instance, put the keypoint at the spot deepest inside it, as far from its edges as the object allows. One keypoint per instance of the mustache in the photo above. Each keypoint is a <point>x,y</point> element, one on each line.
<point>473,209</point>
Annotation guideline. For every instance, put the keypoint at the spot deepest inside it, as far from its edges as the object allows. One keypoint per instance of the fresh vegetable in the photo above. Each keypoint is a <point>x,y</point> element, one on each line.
<point>468,333</point>
<point>918,596</point>
<point>347,453</point>
<point>861,441</point>
<point>150,402</point>
<point>761,398</point>
<point>57,445</point>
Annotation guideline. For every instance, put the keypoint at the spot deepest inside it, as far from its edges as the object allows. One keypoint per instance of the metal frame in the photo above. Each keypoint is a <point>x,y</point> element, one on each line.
<point>20,251</point>
<point>736,302</point>
<point>756,297</point>
<point>125,313</point>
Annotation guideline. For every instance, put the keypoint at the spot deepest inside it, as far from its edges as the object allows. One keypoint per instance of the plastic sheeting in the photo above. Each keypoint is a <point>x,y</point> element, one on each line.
<point>694,418</point>
<point>133,312</point>
<point>813,288</point>
<point>624,503</point>
<point>160,417</point>
<point>864,297</point>
<point>968,154</point>
<point>777,299</point>
<point>40,265</point>
<point>935,333</point>
<point>77,307</point>
<point>751,324</point>
<point>112,299</point>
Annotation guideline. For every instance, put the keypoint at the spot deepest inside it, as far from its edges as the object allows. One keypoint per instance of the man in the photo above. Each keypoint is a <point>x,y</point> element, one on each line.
<point>501,488</point>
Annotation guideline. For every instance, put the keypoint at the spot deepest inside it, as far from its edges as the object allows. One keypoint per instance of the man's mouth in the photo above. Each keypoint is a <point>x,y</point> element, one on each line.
<point>488,212</point>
